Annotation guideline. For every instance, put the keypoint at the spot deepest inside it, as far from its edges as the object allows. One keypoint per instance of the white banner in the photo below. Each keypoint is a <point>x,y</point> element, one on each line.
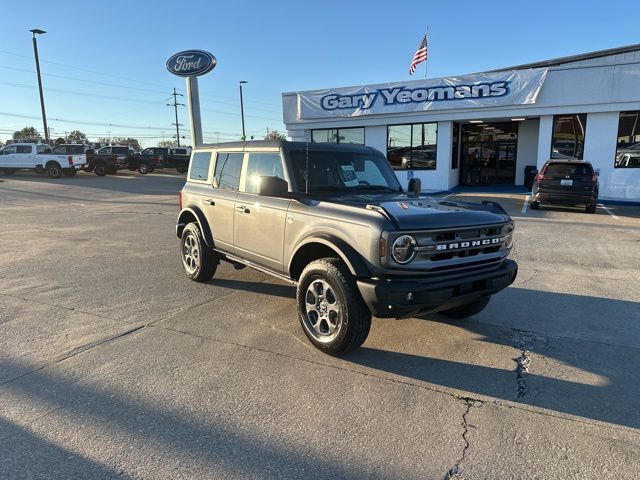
<point>515,87</point>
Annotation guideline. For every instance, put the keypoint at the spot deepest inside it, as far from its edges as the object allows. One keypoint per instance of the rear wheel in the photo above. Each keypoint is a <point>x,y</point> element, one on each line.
<point>181,169</point>
<point>199,261</point>
<point>330,309</point>
<point>144,169</point>
<point>591,208</point>
<point>54,170</point>
<point>100,170</point>
<point>535,205</point>
<point>468,309</point>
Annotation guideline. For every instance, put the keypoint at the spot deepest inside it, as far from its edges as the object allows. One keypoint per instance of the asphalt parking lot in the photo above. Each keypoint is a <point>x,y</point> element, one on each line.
<point>114,364</point>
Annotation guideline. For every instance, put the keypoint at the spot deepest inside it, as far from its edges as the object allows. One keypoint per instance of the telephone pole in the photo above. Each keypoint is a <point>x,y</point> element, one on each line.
<point>175,106</point>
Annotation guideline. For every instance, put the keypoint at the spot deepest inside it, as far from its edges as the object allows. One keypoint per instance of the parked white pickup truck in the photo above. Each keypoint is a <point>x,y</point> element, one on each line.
<point>38,157</point>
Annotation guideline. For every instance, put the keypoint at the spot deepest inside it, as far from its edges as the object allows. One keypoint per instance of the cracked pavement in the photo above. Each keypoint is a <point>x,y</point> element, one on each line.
<point>114,365</point>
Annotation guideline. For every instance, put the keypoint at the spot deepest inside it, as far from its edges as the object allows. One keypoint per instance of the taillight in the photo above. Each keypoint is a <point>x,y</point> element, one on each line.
<point>180,199</point>
<point>539,177</point>
<point>594,178</point>
<point>70,159</point>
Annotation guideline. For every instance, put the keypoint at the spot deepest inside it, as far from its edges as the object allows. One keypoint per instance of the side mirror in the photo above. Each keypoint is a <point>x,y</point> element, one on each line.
<point>415,185</point>
<point>272,187</point>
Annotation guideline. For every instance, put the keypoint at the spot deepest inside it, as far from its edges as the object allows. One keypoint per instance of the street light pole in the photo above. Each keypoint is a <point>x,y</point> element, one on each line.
<point>37,31</point>
<point>244,136</point>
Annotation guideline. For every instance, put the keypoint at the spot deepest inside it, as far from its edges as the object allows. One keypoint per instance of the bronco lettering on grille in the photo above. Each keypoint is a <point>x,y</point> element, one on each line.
<point>469,244</point>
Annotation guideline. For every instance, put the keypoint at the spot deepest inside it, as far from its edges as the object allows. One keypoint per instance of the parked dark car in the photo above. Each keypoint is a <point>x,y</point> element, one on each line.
<point>109,159</point>
<point>419,159</point>
<point>154,158</point>
<point>566,182</point>
<point>72,149</point>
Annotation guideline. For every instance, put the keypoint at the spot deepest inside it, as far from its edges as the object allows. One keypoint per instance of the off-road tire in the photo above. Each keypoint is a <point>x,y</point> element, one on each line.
<point>100,169</point>
<point>54,170</point>
<point>468,309</point>
<point>354,323</point>
<point>143,169</point>
<point>535,205</point>
<point>69,172</point>
<point>198,260</point>
<point>181,170</point>
<point>591,208</point>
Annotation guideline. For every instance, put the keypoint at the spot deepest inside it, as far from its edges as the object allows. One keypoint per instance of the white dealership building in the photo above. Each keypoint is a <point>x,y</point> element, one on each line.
<point>485,128</point>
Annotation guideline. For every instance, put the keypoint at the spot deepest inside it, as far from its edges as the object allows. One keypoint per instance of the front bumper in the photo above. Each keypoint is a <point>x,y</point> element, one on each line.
<point>388,297</point>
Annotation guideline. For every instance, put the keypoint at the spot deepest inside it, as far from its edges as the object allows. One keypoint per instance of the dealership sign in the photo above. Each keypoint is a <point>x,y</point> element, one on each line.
<point>191,63</point>
<point>516,87</point>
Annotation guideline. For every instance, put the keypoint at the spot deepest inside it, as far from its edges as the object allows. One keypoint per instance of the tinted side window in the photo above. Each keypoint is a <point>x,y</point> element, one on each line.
<point>227,173</point>
<point>262,165</point>
<point>9,149</point>
<point>59,150</point>
<point>200,166</point>
<point>27,149</point>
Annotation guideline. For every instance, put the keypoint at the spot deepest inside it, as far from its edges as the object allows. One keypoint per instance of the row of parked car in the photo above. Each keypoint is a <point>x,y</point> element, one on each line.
<point>68,159</point>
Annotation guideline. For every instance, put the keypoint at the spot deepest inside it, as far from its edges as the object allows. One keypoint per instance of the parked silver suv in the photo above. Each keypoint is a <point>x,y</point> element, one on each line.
<point>334,220</point>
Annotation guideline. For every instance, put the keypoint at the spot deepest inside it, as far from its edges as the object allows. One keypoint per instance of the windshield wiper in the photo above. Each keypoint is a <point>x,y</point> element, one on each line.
<point>331,188</point>
<point>376,187</point>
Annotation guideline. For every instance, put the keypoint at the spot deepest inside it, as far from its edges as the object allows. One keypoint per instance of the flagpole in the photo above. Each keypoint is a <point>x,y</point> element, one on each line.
<point>426,60</point>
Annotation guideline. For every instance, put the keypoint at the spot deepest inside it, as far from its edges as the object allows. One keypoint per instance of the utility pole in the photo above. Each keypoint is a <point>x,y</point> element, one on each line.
<point>37,31</point>
<point>175,105</point>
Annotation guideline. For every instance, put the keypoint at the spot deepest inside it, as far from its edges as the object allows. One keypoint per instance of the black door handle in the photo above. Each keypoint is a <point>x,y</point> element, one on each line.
<point>210,201</point>
<point>243,209</point>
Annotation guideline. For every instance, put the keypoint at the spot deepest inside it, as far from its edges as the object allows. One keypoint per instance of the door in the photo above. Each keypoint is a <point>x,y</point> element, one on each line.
<point>219,199</point>
<point>9,157</point>
<point>26,158</point>
<point>260,221</point>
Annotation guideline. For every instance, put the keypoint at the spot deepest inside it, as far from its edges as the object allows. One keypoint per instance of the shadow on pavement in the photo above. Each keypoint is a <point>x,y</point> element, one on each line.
<point>615,398</point>
<point>26,455</point>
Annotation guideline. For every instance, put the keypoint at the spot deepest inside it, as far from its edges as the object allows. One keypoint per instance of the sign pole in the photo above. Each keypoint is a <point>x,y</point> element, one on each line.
<point>193,101</point>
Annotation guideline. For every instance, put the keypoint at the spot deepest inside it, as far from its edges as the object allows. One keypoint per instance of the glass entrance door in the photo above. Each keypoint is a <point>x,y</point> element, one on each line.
<point>488,154</point>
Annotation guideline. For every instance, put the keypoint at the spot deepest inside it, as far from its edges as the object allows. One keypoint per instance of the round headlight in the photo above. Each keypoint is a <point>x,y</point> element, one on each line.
<point>404,249</point>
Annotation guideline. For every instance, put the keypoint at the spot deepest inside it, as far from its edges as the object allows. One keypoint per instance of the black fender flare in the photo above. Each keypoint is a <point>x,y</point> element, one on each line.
<point>186,215</point>
<point>352,259</point>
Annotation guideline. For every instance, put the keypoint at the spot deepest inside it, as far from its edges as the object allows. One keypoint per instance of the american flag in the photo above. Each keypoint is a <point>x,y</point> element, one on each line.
<point>420,55</point>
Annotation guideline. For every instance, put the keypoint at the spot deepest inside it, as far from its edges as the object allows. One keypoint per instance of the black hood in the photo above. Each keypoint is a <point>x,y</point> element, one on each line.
<point>411,213</point>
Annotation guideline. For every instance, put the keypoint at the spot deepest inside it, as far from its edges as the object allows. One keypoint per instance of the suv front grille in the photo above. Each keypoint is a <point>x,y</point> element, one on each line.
<point>463,243</point>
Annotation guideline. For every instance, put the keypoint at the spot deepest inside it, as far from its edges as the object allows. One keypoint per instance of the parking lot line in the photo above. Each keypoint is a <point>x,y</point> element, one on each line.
<point>609,211</point>
<point>526,204</point>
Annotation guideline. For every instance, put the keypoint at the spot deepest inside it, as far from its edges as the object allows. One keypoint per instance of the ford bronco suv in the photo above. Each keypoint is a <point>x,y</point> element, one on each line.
<point>334,221</point>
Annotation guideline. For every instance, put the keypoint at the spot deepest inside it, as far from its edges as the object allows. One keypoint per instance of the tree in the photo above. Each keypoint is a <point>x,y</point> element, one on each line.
<point>59,141</point>
<point>275,135</point>
<point>77,136</point>
<point>27,133</point>
<point>130,142</point>
<point>167,143</point>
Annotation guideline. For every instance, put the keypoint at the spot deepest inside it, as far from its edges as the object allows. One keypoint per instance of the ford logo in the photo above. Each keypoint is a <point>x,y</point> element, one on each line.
<point>191,63</point>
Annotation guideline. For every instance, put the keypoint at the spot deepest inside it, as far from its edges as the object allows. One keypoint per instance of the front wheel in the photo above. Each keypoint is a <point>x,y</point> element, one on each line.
<point>199,261</point>
<point>330,309</point>
<point>181,169</point>
<point>100,170</point>
<point>144,169</point>
<point>535,205</point>
<point>468,309</point>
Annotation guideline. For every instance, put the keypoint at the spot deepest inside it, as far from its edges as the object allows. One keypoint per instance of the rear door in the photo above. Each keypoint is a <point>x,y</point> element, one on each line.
<point>260,221</point>
<point>27,157</point>
<point>567,177</point>
<point>220,197</point>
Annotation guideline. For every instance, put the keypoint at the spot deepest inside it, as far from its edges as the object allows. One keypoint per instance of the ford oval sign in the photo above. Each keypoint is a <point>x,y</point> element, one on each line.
<point>191,63</point>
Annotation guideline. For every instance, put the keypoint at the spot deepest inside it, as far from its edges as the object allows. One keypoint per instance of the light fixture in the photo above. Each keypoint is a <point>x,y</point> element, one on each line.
<point>476,121</point>
<point>519,119</point>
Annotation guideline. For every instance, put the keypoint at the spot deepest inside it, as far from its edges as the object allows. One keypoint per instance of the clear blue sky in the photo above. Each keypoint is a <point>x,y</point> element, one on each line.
<point>103,62</point>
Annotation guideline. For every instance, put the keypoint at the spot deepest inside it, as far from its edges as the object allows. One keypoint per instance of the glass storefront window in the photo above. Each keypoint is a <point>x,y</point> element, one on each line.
<point>567,139</point>
<point>628,146</point>
<point>412,146</point>
<point>339,135</point>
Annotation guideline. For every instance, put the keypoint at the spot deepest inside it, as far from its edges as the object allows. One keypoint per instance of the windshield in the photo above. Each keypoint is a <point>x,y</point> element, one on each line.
<point>342,171</point>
